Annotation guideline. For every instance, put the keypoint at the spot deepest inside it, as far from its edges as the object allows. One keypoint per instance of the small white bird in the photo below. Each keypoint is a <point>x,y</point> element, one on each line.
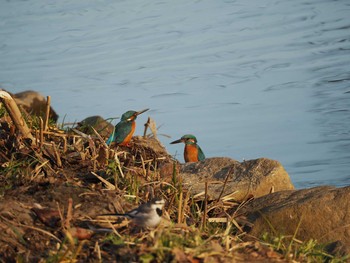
<point>148,214</point>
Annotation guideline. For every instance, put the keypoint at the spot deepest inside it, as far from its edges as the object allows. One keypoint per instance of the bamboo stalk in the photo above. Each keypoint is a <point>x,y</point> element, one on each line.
<point>15,114</point>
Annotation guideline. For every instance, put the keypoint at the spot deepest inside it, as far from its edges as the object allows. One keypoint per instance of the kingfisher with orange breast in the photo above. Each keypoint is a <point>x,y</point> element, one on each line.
<point>192,152</point>
<point>125,129</point>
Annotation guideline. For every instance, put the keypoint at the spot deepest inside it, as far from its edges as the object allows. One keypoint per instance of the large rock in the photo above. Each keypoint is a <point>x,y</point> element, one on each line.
<point>103,127</point>
<point>249,178</point>
<point>323,214</point>
<point>34,103</point>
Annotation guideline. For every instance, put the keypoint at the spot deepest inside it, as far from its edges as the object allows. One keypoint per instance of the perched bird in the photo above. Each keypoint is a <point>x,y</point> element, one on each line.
<point>192,152</point>
<point>124,129</point>
<point>146,215</point>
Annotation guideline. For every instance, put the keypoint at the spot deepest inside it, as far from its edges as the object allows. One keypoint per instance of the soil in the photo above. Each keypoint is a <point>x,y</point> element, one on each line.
<point>53,193</point>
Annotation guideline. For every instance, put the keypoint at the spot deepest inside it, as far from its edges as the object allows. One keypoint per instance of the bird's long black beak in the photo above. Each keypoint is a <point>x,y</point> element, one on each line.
<point>177,141</point>
<point>140,112</point>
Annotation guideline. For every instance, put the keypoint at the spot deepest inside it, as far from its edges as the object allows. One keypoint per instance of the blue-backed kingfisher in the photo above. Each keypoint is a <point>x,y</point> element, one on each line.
<point>192,153</point>
<point>125,129</point>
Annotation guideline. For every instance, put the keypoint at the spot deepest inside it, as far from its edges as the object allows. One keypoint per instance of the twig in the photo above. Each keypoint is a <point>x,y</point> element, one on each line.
<point>153,127</point>
<point>69,213</point>
<point>143,166</point>
<point>58,158</point>
<point>113,228</point>
<point>294,236</point>
<point>146,127</point>
<point>108,184</point>
<point>223,187</point>
<point>60,213</point>
<point>205,206</point>
<point>119,165</point>
<point>83,135</point>
<point>64,144</point>
<point>185,205</point>
<point>48,101</point>
<point>179,215</point>
<point>31,227</point>
<point>99,137</point>
<point>77,251</point>
<point>41,138</point>
<point>98,251</point>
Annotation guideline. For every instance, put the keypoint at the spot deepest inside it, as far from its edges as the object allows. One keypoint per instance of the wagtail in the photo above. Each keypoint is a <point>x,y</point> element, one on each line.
<point>146,215</point>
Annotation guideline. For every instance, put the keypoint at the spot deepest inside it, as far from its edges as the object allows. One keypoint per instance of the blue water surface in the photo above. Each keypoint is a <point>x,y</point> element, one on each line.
<point>249,78</point>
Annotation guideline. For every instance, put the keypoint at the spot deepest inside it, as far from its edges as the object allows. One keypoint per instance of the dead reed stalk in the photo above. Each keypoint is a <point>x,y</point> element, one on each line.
<point>15,114</point>
<point>204,223</point>
<point>47,113</point>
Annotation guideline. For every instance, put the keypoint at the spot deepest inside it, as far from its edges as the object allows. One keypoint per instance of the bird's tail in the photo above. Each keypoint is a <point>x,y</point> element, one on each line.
<point>111,138</point>
<point>114,214</point>
<point>113,218</point>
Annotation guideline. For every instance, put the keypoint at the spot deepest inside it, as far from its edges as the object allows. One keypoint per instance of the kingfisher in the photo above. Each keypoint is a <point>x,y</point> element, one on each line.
<point>124,129</point>
<point>192,152</point>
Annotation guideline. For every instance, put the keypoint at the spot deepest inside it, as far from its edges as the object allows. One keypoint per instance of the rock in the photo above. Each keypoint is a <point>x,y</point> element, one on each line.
<point>50,217</point>
<point>34,104</point>
<point>254,177</point>
<point>103,127</point>
<point>150,144</point>
<point>147,150</point>
<point>324,213</point>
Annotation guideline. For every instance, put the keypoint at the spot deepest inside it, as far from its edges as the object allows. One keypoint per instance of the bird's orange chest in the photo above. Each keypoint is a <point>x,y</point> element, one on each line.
<point>191,153</point>
<point>129,136</point>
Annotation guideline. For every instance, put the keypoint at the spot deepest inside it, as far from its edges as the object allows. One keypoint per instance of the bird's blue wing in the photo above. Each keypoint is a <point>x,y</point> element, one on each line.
<point>122,129</point>
<point>201,155</point>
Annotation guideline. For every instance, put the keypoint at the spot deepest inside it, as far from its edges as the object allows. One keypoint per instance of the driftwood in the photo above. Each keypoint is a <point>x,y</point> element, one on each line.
<point>15,115</point>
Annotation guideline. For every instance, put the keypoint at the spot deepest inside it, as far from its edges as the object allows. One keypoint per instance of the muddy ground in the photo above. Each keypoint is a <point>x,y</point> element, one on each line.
<point>54,189</point>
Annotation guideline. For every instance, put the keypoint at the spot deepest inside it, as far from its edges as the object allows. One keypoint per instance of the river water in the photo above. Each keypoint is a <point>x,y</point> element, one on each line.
<point>249,78</point>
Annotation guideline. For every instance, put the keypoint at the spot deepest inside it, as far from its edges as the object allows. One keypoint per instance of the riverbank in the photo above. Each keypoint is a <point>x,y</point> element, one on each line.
<point>55,184</point>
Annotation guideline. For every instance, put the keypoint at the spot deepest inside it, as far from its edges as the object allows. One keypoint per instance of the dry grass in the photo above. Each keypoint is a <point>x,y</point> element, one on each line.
<point>54,188</point>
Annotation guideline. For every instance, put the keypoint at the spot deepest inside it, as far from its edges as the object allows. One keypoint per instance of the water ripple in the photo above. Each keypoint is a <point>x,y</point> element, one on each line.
<point>272,76</point>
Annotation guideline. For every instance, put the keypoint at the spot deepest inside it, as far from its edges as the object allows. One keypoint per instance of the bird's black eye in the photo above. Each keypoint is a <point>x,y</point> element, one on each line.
<point>159,211</point>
